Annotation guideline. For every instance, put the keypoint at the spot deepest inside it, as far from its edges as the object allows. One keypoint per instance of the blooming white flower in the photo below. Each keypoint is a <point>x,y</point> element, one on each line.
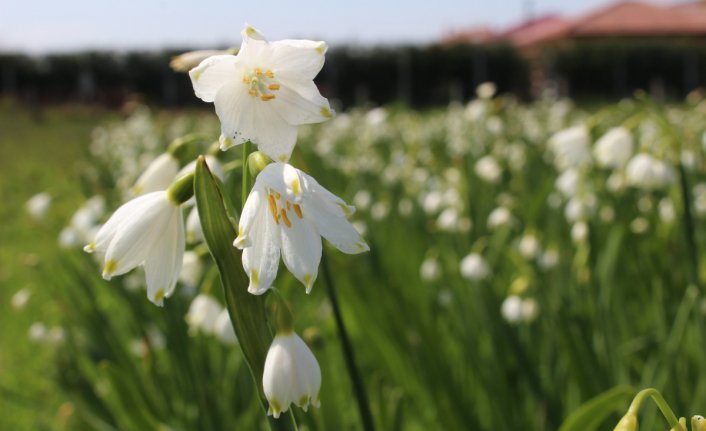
<point>488,169</point>
<point>614,148</point>
<point>570,147</point>
<point>291,375</point>
<point>20,298</point>
<point>649,173</point>
<point>223,328</point>
<point>500,216</point>
<point>430,269</point>
<point>529,246</point>
<point>265,92</point>
<point>38,205</point>
<point>486,90</point>
<point>202,314</point>
<point>191,269</point>
<point>158,175</point>
<point>288,211</point>
<point>474,267</point>
<point>579,232</point>
<point>149,231</point>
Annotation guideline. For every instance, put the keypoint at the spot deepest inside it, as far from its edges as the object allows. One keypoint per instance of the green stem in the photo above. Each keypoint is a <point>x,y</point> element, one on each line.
<point>348,354</point>
<point>246,177</point>
<point>689,231</point>
<point>661,404</point>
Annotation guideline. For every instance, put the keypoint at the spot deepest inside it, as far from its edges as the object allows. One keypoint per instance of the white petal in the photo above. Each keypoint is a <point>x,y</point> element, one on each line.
<point>250,32</point>
<point>274,136</point>
<point>256,199</point>
<point>136,235</point>
<point>301,250</point>
<point>158,175</point>
<point>298,60</point>
<point>107,231</point>
<point>236,111</point>
<point>336,229</point>
<point>163,264</point>
<point>324,199</point>
<point>212,74</point>
<point>305,107</point>
<point>261,258</point>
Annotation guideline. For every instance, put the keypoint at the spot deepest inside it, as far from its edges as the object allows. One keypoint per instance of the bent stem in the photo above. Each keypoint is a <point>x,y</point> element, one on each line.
<point>348,354</point>
<point>661,404</point>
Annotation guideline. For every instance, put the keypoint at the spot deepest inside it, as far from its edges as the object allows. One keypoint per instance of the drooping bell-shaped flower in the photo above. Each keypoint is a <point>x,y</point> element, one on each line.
<point>614,148</point>
<point>291,375</point>
<point>158,175</point>
<point>265,92</point>
<point>148,231</point>
<point>287,211</point>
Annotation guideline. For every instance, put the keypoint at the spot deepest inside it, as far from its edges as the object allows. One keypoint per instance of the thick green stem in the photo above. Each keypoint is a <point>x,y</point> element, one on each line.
<point>348,354</point>
<point>661,404</point>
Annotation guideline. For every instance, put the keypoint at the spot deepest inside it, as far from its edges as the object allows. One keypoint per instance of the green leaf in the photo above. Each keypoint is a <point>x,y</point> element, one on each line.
<point>247,311</point>
<point>596,410</point>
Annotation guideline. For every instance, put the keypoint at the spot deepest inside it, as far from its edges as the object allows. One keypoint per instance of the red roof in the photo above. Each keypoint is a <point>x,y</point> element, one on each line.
<point>536,31</point>
<point>639,19</point>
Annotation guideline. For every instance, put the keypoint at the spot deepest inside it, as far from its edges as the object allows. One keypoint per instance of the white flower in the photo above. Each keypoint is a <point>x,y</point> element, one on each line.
<point>191,269</point>
<point>529,246</point>
<point>38,205</point>
<point>614,148</point>
<point>649,173</point>
<point>474,267</point>
<point>37,332</point>
<point>202,314</point>
<point>223,328</point>
<point>579,232</point>
<point>188,60</point>
<point>570,147</point>
<point>486,90</point>
<point>194,230</point>
<point>500,216</point>
<point>158,175</point>
<point>430,269</point>
<point>265,92</point>
<point>20,298</point>
<point>288,211</point>
<point>488,169</point>
<point>291,375</point>
<point>511,309</point>
<point>568,182</point>
<point>549,259</point>
<point>149,231</point>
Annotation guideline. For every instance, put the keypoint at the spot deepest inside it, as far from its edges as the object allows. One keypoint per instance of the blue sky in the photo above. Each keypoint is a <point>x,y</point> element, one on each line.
<point>40,26</point>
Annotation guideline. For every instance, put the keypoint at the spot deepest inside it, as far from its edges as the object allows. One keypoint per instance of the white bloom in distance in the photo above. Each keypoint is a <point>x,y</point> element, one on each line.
<point>571,147</point>
<point>646,172</point>
<point>38,205</point>
<point>202,314</point>
<point>614,148</point>
<point>474,267</point>
<point>291,375</point>
<point>288,211</point>
<point>265,92</point>
<point>148,231</point>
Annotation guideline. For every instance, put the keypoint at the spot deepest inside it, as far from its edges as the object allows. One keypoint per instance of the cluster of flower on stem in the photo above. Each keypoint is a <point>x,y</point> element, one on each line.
<point>261,95</point>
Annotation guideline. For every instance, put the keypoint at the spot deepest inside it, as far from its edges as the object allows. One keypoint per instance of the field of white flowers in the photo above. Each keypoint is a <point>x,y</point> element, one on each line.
<point>531,266</point>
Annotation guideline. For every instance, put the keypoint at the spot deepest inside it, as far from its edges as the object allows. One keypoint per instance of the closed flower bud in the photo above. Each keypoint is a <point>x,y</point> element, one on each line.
<point>627,423</point>
<point>291,375</point>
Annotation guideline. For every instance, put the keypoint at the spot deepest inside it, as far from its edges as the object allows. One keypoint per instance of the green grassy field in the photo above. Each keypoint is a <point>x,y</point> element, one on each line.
<point>512,276</point>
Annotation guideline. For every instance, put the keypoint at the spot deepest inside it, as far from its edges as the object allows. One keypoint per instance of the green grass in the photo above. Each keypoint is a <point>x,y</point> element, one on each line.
<point>39,151</point>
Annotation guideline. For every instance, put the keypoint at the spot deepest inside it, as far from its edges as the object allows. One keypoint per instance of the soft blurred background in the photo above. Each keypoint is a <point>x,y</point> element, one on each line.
<point>530,175</point>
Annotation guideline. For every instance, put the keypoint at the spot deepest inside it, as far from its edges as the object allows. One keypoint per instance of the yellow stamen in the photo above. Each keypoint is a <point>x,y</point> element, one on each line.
<point>246,79</point>
<point>269,74</point>
<point>258,71</point>
<point>273,87</point>
<point>278,196</point>
<point>289,205</point>
<point>273,208</point>
<point>298,210</point>
<point>285,218</point>
<point>253,93</point>
<point>266,97</point>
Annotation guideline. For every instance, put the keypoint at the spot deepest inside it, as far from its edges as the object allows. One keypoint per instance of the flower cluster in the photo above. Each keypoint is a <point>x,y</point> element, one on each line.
<point>262,94</point>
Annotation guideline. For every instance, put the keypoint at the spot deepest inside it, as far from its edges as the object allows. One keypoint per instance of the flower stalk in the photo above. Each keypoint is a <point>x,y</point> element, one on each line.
<point>361,396</point>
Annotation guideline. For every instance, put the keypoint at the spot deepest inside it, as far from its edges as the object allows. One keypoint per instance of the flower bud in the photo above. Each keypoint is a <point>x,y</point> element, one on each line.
<point>627,423</point>
<point>698,423</point>
<point>257,162</point>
